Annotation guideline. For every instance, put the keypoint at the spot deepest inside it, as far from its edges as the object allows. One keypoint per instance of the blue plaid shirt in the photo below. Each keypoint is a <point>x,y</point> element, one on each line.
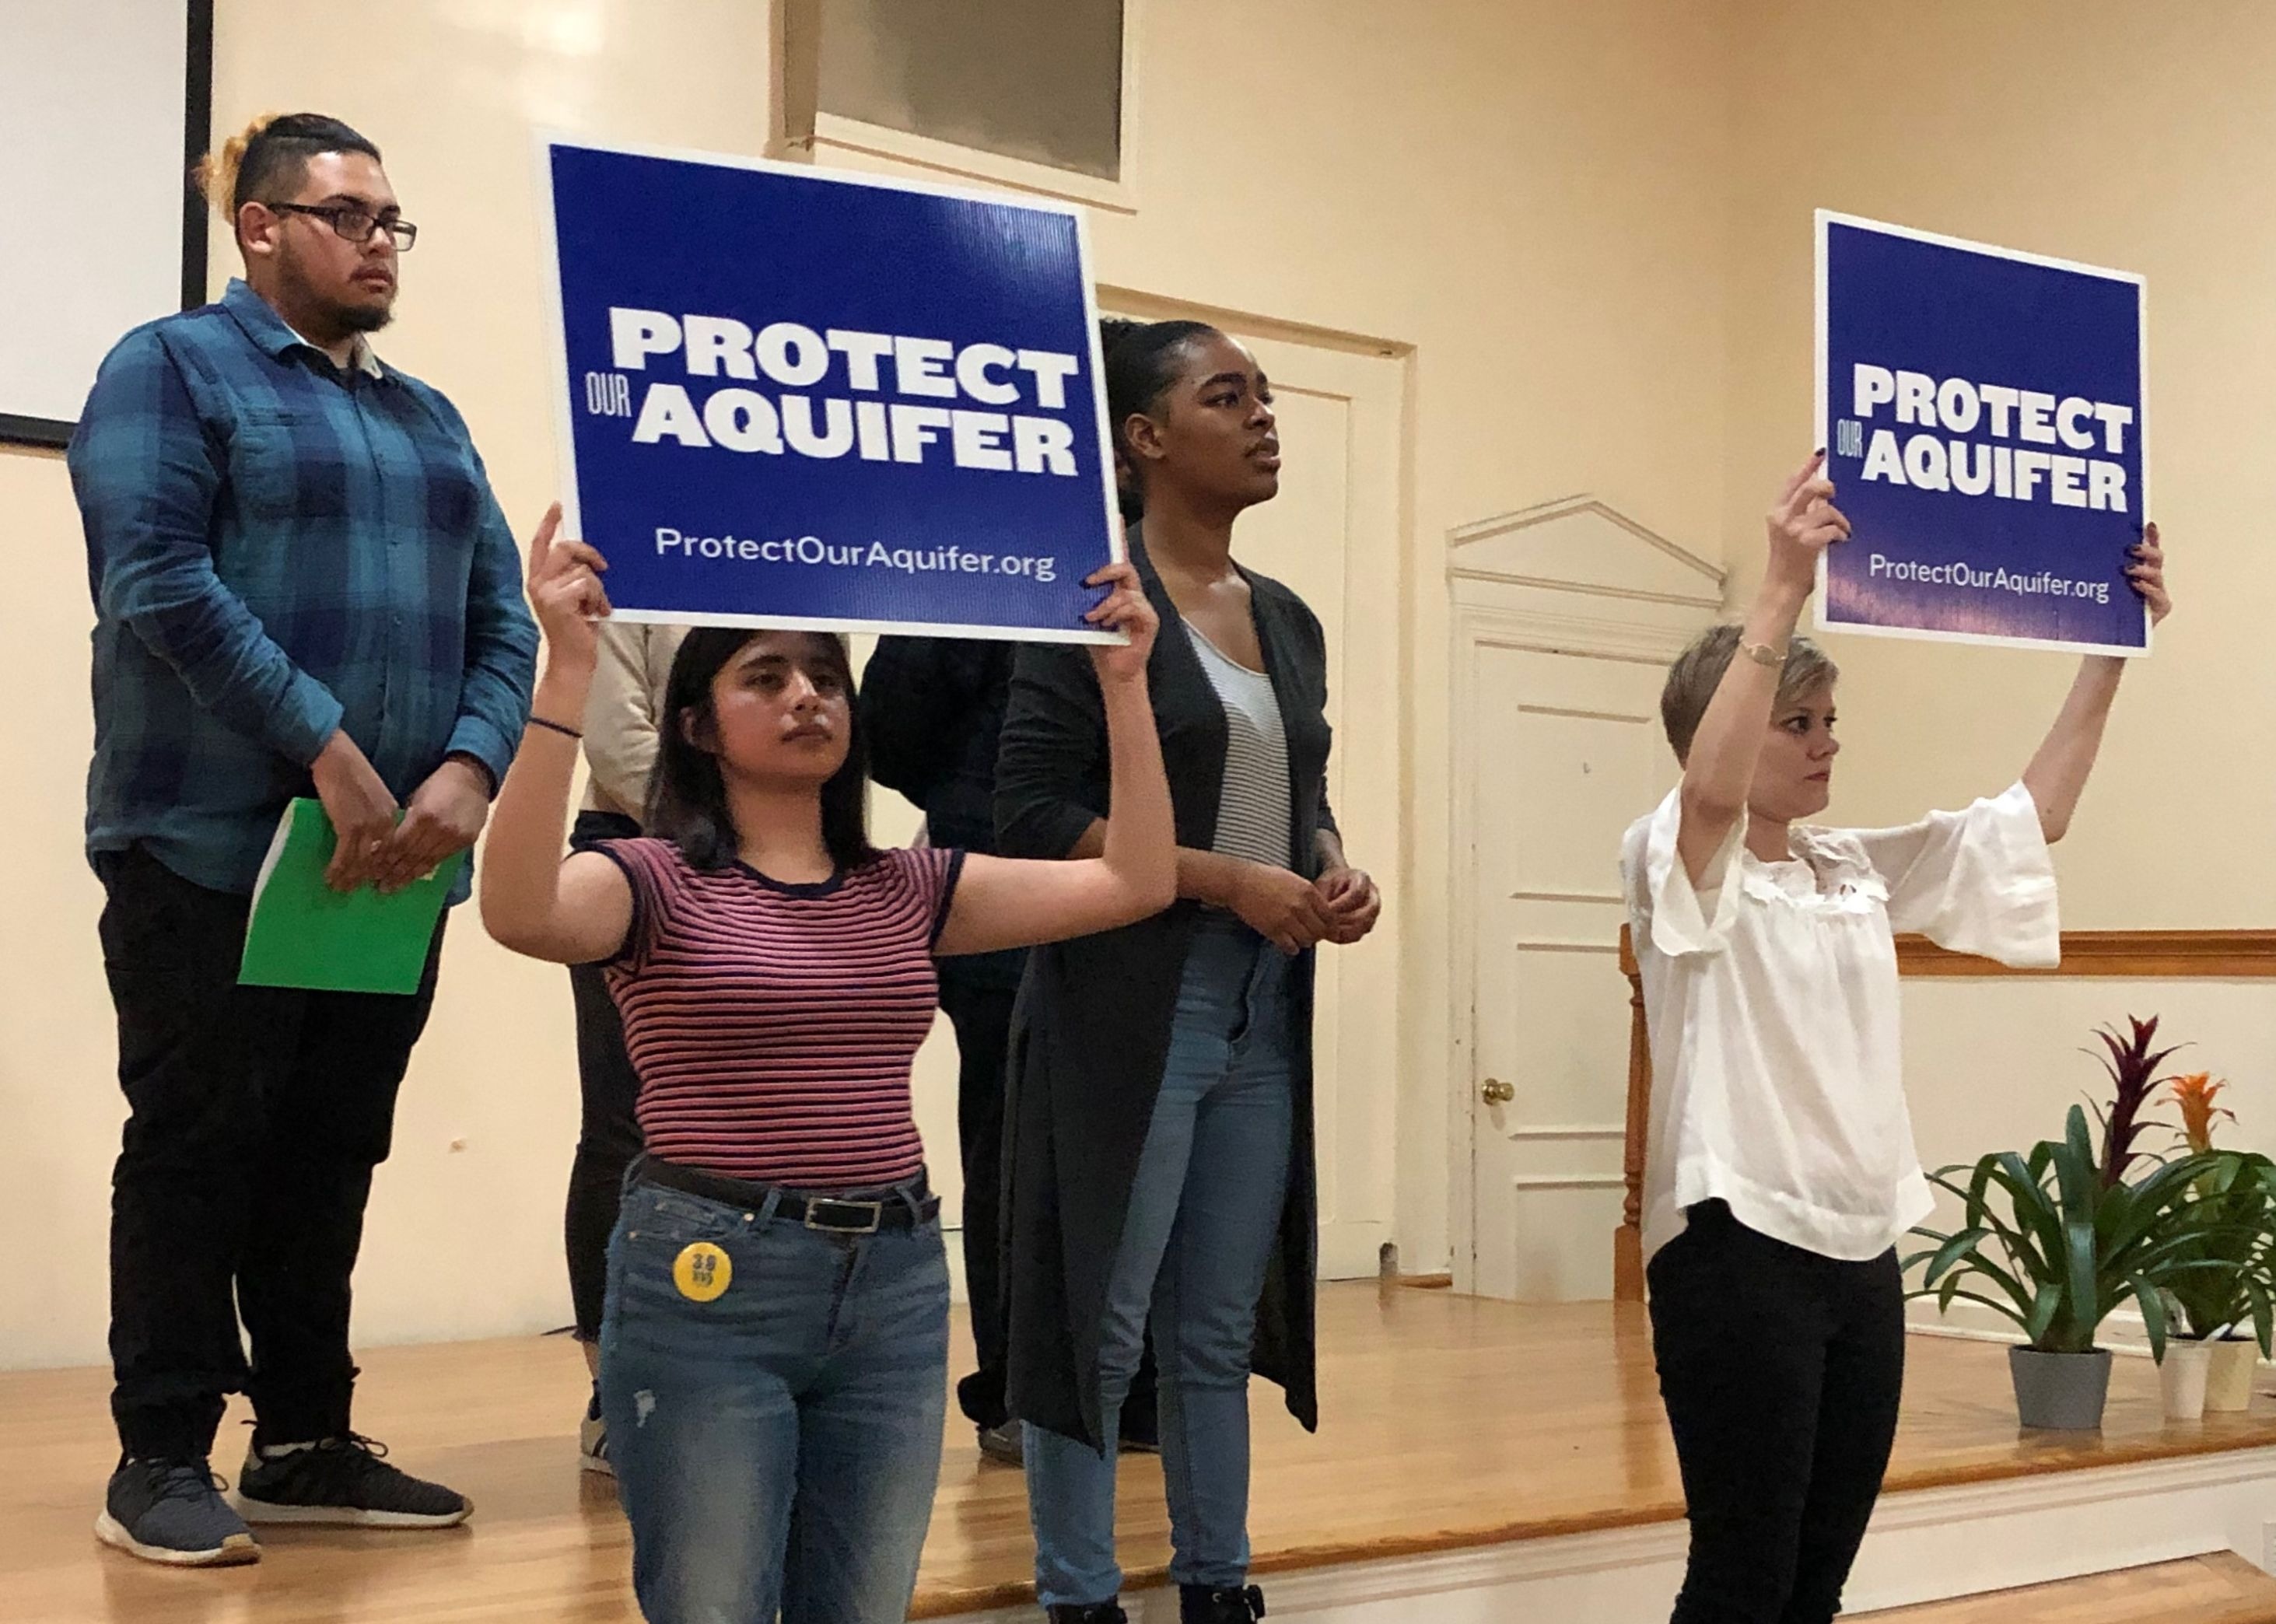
<point>278,550</point>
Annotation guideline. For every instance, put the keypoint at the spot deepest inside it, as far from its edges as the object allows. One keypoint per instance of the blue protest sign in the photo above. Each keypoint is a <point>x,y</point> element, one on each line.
<point>795,397</point>
<point>1983,420</point>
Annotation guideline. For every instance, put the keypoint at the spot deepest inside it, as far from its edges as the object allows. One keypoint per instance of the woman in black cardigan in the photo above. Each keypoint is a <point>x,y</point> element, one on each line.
<point>1160,1161</point>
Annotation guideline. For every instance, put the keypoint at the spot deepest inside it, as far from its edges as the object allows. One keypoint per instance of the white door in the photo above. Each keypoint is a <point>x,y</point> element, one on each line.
<point>1568,751</point>
<point>1332,535</point>
<point>1565,620</point>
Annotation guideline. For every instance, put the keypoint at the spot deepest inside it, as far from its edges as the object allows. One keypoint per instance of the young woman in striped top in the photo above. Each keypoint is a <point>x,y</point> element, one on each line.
<point>774,1351</point>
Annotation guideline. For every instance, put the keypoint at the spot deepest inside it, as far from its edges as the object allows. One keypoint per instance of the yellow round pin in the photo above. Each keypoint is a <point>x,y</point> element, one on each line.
<point>701,1271</point>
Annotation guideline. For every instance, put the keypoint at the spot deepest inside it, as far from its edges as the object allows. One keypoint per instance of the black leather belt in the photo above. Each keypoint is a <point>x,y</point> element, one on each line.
<point>904,1208</point>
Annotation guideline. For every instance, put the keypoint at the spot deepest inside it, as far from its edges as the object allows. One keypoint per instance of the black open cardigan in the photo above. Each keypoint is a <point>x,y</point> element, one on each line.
<point>1091,1036</point>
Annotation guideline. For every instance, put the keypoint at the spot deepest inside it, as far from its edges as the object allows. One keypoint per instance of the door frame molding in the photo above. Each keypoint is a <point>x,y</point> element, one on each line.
<point>1491,607</point>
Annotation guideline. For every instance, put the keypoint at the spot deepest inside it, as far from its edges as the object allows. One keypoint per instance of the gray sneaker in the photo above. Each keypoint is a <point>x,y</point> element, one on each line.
<point>593,1440</point>
<point>173,1512</point>
<point>1004,1444</point>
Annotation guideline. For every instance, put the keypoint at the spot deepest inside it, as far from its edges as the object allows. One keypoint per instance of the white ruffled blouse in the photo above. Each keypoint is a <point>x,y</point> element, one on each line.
<point>1771,998</point>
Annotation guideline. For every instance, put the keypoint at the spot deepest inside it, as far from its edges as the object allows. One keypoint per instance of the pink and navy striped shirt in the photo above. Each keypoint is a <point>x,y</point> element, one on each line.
<point>773,1026</point>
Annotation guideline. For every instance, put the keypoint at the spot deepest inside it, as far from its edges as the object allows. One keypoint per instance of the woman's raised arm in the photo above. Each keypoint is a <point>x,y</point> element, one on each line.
<point>2058,773</point>
<point>576,912</point>
<point>1719,769</point>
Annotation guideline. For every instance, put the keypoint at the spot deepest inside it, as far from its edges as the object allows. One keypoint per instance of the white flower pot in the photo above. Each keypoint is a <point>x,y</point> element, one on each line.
<point>2235,1363</point>
<point>2182,1374</point>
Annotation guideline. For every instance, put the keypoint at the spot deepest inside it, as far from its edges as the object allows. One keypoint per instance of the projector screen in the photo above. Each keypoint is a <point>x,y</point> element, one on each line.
<point>104,106</point>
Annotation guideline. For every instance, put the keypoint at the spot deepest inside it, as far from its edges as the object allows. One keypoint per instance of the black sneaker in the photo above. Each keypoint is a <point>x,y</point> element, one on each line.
<point>173,1512</point>
<point>1204,1604</point>
<point>344,1481</point>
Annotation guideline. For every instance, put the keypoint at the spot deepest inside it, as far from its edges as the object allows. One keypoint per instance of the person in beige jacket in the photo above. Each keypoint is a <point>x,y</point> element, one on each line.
<point>620,746</point>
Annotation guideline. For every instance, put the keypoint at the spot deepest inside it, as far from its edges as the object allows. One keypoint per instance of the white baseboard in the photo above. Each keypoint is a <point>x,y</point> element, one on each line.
<point>2122,1332</point>
<point>1929,1544</point>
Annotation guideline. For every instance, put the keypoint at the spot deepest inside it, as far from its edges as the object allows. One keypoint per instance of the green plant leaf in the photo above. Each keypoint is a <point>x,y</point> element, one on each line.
<point>2083,1286</point>
<point>2005,1310</point>
<point>2043,1309</point>
<point>2153,1315</point>
<point>2080,1148</point>
<point>1952,1251</point>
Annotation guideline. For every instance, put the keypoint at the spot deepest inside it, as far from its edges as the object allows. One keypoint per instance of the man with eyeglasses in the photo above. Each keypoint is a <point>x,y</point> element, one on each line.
<point>302,584</point>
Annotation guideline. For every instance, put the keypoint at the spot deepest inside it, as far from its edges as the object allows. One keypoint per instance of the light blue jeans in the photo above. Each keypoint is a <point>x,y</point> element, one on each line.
<point>1204,1221</point>
<point>776,1448</point>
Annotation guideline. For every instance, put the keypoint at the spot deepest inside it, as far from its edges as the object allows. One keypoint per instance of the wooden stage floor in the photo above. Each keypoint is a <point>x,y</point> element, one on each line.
<point>1448,1423</point>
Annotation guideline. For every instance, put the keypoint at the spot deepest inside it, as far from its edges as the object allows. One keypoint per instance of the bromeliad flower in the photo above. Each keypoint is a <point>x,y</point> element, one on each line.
<point>2133,1069</point>
<point>2194,1093</point>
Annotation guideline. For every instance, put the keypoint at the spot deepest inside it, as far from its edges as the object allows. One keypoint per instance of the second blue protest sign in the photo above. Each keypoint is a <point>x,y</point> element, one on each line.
<point>1983,415</point>
<point>791,398</point>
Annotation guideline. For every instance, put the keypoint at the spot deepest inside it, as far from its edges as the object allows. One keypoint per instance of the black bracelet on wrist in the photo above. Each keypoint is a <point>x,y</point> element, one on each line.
<point>559,727</point>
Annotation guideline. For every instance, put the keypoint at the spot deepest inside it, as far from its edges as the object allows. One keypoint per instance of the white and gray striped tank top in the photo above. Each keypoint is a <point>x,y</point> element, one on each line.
<point>1253,819</point>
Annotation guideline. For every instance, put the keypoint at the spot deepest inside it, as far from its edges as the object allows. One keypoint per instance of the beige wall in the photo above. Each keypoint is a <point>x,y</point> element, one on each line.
<point>1530,195</point>
<point>464,1237</point>
<point>2094,131</point>
<point>1587,228</point>
<point>2101,131</point>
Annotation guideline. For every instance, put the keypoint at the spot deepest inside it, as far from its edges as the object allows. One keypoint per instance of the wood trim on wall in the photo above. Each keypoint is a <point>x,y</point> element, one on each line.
<point>2136,955</point>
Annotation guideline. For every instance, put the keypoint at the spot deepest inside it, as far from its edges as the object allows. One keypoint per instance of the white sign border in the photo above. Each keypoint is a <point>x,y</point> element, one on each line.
<point>556,340</point>
<point>1822,422</point>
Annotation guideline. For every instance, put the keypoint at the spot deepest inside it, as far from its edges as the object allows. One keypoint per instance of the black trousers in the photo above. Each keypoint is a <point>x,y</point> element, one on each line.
<point>1781,1370</point>
<point>608,1132</point>
<point>982,1016</point>
<point>608,1139</point>
<point>981,1013</point>
<point>256,1115</point>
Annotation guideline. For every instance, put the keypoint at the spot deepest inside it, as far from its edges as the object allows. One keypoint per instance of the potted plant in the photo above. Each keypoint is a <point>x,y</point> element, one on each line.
<point>2224,1310</point>
<point>2057,1238</point>
<point>2045,1243</point>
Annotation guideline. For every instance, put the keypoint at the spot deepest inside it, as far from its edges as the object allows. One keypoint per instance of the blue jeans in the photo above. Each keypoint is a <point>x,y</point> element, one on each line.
<point>777,1446</point>
<point>1204,1221</point>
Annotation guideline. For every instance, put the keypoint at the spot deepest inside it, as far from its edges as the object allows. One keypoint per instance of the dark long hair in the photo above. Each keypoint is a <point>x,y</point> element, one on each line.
<point>687,800</point>
<point>1142,360</point>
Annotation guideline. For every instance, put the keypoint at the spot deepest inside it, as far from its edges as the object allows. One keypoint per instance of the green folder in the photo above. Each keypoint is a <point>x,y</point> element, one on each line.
<point>305,934</point>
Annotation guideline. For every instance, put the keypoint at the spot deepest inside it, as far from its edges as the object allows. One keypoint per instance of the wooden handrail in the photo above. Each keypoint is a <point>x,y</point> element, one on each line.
<point>2135,955</point>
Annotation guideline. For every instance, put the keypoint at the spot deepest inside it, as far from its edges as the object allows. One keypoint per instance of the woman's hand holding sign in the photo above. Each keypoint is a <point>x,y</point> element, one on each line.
<point>566,596</point>
<point>1126,608</point>
<point>1803,523</point>
<point>2148,575</point>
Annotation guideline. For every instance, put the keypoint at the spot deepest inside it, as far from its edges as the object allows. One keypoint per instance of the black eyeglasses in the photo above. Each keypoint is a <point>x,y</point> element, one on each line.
<point>355,225</point>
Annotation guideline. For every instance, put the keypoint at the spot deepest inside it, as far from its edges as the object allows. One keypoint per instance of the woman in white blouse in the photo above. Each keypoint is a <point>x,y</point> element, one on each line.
<point>1782,1169</point>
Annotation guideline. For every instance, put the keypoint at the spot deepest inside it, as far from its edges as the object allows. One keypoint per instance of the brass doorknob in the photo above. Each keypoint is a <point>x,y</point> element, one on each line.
<point>1496,1092</point>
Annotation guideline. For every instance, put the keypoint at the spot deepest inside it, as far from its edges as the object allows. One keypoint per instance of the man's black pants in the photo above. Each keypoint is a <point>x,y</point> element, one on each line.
<point>1780,1370</point>
<point>256,1117</point>
<point>982,1016</point>
<point>608,1126</point>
